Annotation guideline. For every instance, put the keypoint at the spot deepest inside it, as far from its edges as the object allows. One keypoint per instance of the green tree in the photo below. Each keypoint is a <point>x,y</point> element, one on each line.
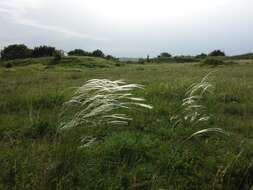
<point>109,57</point>
<point>43,51</point>
<point>79,52</point>
<point>98,53</point>
<point>201,56</point>
<point>16,51</point>
<point>165,54</point>
<point>217,53</point>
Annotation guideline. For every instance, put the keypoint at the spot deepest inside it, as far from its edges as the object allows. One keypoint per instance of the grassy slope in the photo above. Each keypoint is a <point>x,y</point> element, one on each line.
<point>147,154</point>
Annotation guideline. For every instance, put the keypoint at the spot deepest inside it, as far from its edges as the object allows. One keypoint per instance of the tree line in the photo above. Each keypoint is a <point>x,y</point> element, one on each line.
<point>96,53</point>
<point>21,51</point>
<point>202,55</point>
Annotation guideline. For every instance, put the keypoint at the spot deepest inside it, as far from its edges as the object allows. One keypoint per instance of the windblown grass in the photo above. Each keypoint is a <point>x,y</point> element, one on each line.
<point>97,102</point>
<point>147,153</point>
<point>192,111</point>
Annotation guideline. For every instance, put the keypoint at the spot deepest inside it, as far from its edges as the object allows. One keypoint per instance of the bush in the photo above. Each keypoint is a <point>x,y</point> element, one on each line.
<point>141,61</point>
<point>119,64</point>
<point>212,62</point>
<point>98,53</point>
<point>165,54</point>
<point>217,53</point>
<point>43,51</point>
<point>109,57</point>
<point>16,51</point>
<point>184,59</point>
<point>8,65</point>
<point>57,56</point>
<point>201,56</point>
<point>79,52</point>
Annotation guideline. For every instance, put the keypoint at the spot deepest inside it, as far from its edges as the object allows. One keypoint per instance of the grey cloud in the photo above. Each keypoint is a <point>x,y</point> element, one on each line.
<point>126,31</point>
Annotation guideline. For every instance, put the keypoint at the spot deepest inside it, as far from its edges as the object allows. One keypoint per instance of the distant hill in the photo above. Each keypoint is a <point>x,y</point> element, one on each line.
<point>243,56</point>
<point>81,61</point>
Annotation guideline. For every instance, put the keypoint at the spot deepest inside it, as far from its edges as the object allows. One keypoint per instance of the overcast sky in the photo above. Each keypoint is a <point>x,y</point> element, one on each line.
<point>130,27</point>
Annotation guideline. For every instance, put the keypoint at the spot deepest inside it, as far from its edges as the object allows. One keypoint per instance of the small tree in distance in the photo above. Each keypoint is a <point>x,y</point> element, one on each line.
<point>79,52</point>
<point>165,54</point>
<point>201,56</point>
<point>98,53</point>
<point>109,57</point>
<point>217,53</point>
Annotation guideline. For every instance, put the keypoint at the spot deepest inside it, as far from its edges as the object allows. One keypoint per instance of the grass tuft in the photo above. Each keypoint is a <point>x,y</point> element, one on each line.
<point>100,101</point>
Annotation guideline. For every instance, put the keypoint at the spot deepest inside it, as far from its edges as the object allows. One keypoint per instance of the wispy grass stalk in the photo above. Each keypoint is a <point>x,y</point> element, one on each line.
<point>192,111</point>
<point>101,101</point>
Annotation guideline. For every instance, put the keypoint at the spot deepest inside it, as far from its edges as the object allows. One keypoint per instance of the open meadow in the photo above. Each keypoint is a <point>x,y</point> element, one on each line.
<point>150,152</point>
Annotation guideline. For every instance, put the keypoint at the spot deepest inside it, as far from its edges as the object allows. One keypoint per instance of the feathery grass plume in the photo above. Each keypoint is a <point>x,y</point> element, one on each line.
<point>191,111</point>
<point>214,130</point>
<point>99,101</point>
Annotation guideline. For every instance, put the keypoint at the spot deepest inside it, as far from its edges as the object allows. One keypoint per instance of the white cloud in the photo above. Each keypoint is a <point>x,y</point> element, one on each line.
<point>18,11</point>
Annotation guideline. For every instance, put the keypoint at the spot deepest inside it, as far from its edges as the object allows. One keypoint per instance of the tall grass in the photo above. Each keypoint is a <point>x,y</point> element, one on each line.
<point>99,101</point>
<point>192,111</point>
<point>138,155</point>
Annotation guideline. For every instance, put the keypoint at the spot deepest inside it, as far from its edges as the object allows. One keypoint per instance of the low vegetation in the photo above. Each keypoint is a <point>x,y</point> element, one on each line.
<point>216,62</point>
<point>63,62</point>
<point>166,126</point>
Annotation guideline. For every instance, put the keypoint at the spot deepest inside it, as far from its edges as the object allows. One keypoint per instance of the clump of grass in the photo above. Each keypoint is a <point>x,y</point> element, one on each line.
<point>100,101</point>
<point>192,111</point>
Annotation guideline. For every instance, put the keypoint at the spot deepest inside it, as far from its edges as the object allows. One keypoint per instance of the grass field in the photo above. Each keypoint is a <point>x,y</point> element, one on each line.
<point>148,153</point>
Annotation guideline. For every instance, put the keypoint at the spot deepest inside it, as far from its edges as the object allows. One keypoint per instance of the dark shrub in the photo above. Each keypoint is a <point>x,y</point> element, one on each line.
<point>217,53</point>
<point>165,54</point>
<point>8,65</point>
<point>201,56</point>
<point>109,57</point>
<point>212,62</point>
<point>98,53</point>
<point>57,56</point>
<point>141,61</point>
<point>39,130</point>
<point>43,51</point>
<point>16,51</point>
<point>119,64</point>
<point>184,59</point>
<point>79,52</point>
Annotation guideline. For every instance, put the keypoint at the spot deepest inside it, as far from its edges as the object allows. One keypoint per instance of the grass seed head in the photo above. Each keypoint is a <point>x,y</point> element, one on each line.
<point>101,101</point>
